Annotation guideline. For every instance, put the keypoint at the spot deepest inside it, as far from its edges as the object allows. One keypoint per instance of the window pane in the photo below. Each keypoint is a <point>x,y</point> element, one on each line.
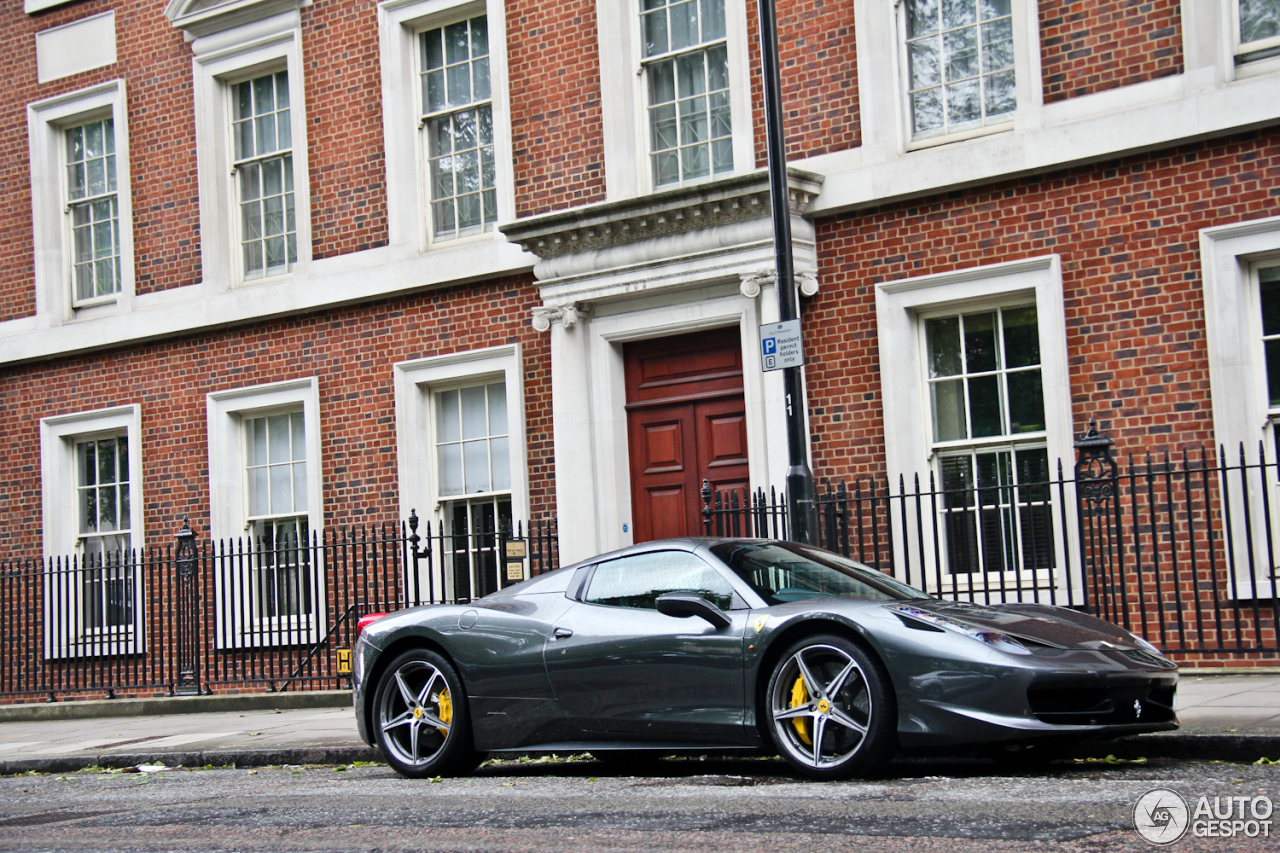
<point>924,60</point>
<point>475,461</point>
<point>450,460</point>
<point>278,438</point>
<point>498,408</point>
<point>1021,337</point>
<point>1026,402</point>
<point>958,13</point>
<point>984,406</point>
<point>500,450</point>
<point>980,342</point>
<point>1273,371</point>
<point>1259,19</point>
<point>948,411</point>
<point>1269,283</point>
<point>961,51</point>
<point>281,488</point>
<point>922,17</point>
<point>944,346</point>
<point>474,412</point>
<point>299,436</point>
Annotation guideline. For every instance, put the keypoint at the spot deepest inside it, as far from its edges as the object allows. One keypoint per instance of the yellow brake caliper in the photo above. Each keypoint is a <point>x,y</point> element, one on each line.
<point>446,710</point>
<point>800,696</point>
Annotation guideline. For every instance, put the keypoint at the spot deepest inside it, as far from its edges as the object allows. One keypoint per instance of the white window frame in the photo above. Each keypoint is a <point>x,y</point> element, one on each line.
<point>901,307</point>
<point>1026,65</point>
<point>408,192</point>
<point>1241,52</point>
<point>59,436</point>
<point>221,60</point>
<point>227,411</point>
<point>1230,257</point>
<point>416,384</point>
<point>52,239</point>
<point>624,99</point>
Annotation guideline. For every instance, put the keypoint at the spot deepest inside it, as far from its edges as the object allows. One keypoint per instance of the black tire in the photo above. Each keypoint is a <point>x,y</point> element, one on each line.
<point>422,719</point>
<point>831,710</point>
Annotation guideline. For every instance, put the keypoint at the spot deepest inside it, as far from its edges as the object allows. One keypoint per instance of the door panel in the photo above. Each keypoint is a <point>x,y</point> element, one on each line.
<point>686,420</point>
<point>635,672</point>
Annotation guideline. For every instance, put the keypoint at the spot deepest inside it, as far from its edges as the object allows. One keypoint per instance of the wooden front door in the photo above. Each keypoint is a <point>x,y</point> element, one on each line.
<point>686,422</point>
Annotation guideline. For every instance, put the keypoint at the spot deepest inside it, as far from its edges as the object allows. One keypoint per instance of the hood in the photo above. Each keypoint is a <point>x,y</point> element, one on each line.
<point>1039,623</point>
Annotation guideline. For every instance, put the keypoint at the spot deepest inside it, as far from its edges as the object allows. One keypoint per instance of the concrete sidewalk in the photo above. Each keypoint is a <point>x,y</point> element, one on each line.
<point>1224,717</point>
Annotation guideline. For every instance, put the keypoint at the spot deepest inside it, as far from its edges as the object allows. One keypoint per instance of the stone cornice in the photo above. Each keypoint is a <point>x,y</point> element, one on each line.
<point>198,18</point>
<point>665,213</point>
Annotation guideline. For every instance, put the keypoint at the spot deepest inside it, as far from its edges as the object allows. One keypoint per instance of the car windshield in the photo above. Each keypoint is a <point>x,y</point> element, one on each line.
<point>782,571</point>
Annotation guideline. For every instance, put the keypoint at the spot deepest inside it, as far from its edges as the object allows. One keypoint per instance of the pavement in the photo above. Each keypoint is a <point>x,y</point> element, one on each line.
<point>1225,717</point>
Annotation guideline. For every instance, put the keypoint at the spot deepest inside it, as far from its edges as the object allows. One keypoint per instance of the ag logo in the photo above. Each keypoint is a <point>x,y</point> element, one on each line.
<point>760,623</point>
<point>1161,816</point>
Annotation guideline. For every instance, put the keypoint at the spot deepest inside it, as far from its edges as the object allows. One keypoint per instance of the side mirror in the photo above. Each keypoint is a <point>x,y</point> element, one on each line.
<point>682,604</point>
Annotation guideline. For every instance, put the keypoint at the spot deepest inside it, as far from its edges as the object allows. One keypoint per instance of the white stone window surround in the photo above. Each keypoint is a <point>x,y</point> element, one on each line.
<point>59,435</point>
<point>901,307</point>
<point>226,413</point>
<point>1211,98</point>
<point>416,383</point>
<point>624,100</point>
<point>408,203</point>
<point>221,60</point>
<point>51,226</point>
<point>1230,256</point>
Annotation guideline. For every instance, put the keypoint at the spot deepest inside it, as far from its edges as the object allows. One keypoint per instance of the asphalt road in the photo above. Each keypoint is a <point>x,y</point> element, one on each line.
<point>579,805</point>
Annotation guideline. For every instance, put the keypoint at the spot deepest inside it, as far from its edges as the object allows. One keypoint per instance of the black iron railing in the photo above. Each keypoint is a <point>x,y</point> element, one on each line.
<point>1182,550</point>
<point>197,616</point>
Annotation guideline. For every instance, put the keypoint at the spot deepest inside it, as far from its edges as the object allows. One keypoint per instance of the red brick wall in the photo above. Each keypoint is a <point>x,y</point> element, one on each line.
<point>557,135</point>
<point>1087,47</point>
<point>351,351</point>
<point>818,70</point>
<point>156,68</point>
<point>344,127</point>
<point>1128,234</point>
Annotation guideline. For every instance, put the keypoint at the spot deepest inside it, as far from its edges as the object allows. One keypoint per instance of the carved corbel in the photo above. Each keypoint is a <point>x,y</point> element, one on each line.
<point>566,315</point>
<point>753,282</point>
<point>807,280</point>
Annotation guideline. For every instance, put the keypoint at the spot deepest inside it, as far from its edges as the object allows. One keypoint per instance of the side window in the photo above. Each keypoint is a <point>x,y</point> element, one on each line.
<point>988,415</point>
<point>457,119</point>
<point>686,63</point>
<point>1258,33</point>
<point>263,168</point>
<point>638,581</point>
<point>960,65</point>
<point>1269,296</point>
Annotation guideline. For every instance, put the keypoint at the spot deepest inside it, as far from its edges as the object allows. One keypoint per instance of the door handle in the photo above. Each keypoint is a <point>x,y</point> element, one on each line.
<point>562,634</point>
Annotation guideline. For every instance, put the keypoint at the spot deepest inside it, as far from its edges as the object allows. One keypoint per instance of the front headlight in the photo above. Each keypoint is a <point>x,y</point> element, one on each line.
<point>994,639</point>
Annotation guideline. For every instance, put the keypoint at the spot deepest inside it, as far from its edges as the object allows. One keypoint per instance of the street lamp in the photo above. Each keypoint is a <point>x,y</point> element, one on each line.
<point>800,492</point>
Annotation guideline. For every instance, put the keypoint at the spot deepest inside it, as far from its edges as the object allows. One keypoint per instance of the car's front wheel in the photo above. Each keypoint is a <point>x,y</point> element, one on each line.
<point>832,709</point>
<point>423,722</point>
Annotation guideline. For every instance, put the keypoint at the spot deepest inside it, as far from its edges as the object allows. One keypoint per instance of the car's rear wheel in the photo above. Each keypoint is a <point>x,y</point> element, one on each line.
<point>423,721</point>
<point>832,709</point>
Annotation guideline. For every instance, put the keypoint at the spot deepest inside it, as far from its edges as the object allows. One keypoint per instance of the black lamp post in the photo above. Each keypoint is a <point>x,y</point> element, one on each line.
<point>800,492</point>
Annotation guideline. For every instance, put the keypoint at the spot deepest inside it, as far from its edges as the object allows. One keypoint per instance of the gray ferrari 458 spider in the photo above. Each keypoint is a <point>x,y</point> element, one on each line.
<point>722,644</point>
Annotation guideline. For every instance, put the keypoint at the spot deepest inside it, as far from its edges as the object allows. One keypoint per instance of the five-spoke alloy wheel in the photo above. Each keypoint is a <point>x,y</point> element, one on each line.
<point>423,725</point>
<point>832,709</point>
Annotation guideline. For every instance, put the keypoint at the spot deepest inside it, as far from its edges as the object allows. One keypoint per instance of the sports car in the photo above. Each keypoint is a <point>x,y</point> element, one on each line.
<point>751,644</point>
